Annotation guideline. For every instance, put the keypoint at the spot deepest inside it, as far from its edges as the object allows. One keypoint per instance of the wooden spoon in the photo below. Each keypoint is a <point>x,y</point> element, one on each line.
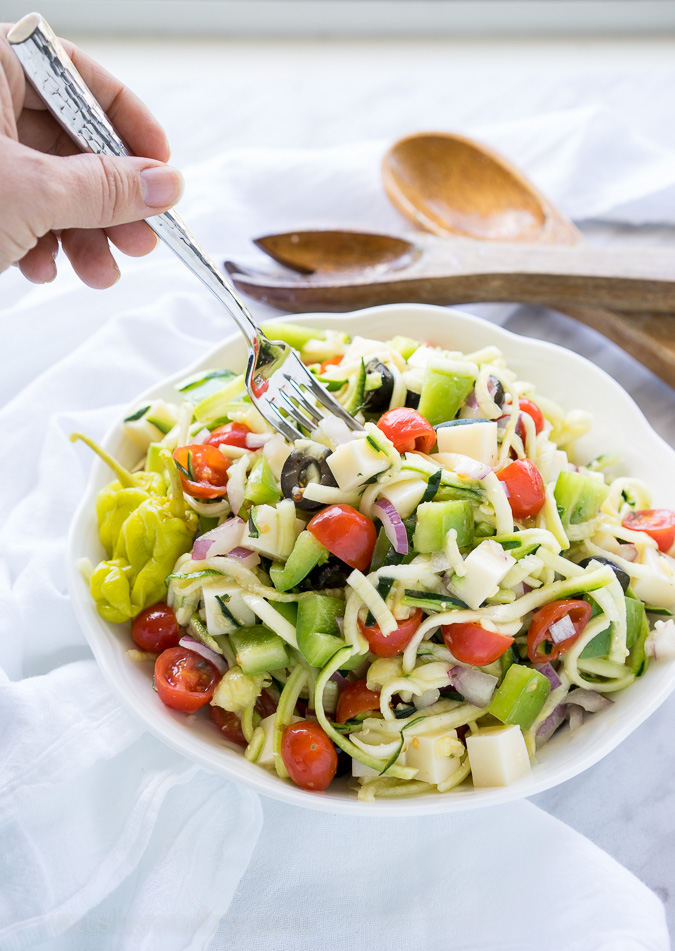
<point>450,185</point>
<point>356,269</point>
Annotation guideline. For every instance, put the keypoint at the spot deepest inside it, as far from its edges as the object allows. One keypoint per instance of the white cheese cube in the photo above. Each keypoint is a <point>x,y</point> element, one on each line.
<point>353,463</point>
<point>484,568</point>
<point>276,530</point>
<point>559,463</point>
<point>498,755</point>
<point>659,588</point>
<point>435,756</point>
<point>159,419</point>
<point>476,439</point>
<point>405,496</point>
<point>266,757</point>
<point>421,356</point>
<point>216,619</point>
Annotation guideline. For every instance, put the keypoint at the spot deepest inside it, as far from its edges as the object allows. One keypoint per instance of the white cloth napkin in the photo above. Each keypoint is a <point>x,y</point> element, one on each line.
<point>107,839</point>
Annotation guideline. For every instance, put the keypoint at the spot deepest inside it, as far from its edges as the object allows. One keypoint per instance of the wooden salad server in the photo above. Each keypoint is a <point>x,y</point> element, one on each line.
<point>454,186</point>
<point>340,270</point>
<point>456,189</point>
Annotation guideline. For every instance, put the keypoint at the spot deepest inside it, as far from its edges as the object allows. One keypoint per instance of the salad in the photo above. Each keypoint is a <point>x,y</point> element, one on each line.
<point>414,606</point>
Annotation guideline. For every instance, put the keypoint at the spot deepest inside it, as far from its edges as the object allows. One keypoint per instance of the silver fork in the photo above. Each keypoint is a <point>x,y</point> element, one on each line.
<point>280,385</point>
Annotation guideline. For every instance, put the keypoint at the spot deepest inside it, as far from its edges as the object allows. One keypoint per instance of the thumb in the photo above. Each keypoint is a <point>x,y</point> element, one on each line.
<point>99,191</point>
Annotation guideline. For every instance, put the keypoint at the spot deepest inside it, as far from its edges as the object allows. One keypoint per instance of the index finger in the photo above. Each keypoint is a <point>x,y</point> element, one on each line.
<point>130,116</point>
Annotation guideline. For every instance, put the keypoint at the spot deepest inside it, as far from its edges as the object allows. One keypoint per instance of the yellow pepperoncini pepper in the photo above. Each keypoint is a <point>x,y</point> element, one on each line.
<point>145,530</point>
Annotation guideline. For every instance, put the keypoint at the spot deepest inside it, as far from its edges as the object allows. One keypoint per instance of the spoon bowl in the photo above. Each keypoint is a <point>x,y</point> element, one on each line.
<point>336,252</point>
<point>450,185</point>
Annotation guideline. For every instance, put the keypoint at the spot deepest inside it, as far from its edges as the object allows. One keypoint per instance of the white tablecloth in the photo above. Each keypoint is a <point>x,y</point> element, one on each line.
<point>623,804</point>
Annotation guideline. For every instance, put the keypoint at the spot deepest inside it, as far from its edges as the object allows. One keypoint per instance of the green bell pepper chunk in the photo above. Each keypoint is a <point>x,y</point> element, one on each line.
<point>520,696</point>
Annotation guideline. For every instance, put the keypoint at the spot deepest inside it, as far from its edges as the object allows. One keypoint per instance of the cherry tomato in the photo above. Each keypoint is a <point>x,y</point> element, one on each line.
<point>578,611</point>
<point>395,643</point>
<point>346,533</point>
<point>229,725</point>
<point>527,406</point>
<point>525,487</point>
<point>156,628</point>
<point>356,698</point>
<point>472,644</point>
<point>184,679</point>
<point>207,468</point>
<point>407,429</point>
<point>330,362</point>
<point>659,524</point>
<point>309,755</point>
<point>231,434</point>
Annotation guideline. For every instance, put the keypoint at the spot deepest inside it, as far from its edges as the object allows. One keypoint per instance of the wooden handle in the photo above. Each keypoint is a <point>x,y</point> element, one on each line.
<point>623,278</point>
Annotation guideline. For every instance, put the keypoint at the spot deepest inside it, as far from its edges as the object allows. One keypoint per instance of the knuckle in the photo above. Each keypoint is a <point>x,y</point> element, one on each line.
<point>115,192</point>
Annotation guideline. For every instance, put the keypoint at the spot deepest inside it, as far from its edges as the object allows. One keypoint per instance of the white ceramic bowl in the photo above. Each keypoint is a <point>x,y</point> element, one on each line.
<point>619,426</point>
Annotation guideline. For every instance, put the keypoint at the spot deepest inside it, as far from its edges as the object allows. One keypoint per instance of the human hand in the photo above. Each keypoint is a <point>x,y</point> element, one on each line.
<point>50,191</point>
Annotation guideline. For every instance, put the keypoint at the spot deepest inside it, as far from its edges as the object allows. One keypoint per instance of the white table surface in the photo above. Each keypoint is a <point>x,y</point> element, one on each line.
<point>301,94</point>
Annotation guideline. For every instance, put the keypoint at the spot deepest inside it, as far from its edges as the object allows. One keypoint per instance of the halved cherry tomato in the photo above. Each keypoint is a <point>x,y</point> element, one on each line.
<point>472,644</point>
<point>356,698</point>
<point>229,723</point>
<point>156,628</point>
<point>330,362</point>
<point>395,643</point>
<point>231,434</point>
<point>525,486</point>
<point>407,429</point>
<point>527,406</point>
<point>659,524</point>
<point>309,755</point>
<point>579,612</point>
<point>346,533</point>
<point>184,679</point>
<point>206,468</point>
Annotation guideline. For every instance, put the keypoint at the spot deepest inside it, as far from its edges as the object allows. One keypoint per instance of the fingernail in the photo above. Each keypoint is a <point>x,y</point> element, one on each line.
<point>161,186</point>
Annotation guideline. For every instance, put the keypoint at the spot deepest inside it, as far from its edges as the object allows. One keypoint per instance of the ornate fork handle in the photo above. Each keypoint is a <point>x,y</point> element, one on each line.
<point>64,92</point>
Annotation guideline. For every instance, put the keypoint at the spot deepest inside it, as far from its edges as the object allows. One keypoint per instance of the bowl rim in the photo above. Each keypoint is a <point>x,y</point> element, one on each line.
<point>261,780</point>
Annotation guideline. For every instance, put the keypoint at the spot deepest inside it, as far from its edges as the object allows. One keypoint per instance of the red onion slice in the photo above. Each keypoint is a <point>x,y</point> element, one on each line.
<point>590,700</point>
<point>577,717</point>
<point>246,556</point>
<point>551,724</point>
<point>393,525</point>
<point>219,662</point>
<point>473,469</point>
<point>562,630</point>
<point>548,671</point>
<point>219,541</point>
<point>339,679</point>
<point>475,686</point>
<point>628,552</point>
<point>257,440</point>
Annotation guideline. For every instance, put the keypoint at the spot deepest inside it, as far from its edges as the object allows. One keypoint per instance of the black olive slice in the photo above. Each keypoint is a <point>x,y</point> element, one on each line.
<point>331,574</point>
<point>299,470</point>
<point>378,400</point>
<point>496,390</point>
<point>624,579</point>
